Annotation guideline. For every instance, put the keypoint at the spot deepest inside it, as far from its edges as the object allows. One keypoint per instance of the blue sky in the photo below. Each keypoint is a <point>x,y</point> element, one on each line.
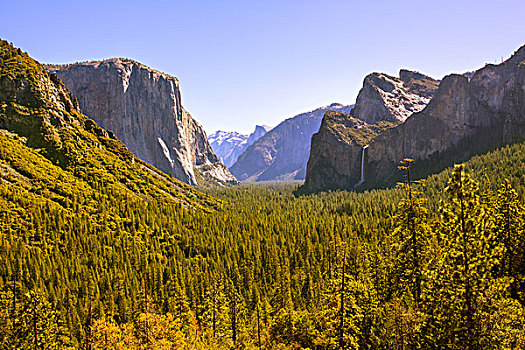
<point>242,63</point>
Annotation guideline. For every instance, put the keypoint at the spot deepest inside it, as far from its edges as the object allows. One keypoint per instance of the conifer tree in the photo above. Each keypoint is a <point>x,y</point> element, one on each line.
<point>411,235</point>
<point>464,273</point>
<point>37,326</point>
<point>510,231</point>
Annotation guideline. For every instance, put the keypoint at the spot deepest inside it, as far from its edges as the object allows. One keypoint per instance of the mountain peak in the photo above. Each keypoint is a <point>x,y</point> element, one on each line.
<point>261,129</point>
<point>387,98</point>
<point>229,145</point>
<point>468,114</point>
<point>282,153</point>
<point>406,75</point>
<point>120,63</point>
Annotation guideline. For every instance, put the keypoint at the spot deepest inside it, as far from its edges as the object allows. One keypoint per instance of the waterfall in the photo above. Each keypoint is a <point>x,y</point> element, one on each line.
<point>362,179</point>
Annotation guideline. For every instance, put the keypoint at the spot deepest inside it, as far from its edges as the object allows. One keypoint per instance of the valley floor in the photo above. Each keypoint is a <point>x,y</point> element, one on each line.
<point>439,265</point>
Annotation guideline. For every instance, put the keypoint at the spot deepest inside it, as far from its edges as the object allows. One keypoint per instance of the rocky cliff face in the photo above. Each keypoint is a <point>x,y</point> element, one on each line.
<point>384,101</point>
<point>392,99</point>
<point>466,116</point>
<point>282,153</point>
<point>339,150</point>
<point>55,153</point>
<point>229,145</point>
<point>260,131</point>
<point>143,108</point>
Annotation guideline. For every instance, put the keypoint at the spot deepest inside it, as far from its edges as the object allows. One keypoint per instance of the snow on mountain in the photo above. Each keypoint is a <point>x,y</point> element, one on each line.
<point>282,153</point>
<point>229,145</point>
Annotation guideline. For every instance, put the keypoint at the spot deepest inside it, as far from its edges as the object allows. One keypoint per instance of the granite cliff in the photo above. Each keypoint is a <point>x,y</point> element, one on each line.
<point>338,149</point>
<point>282,153</point>
<point>466,116</point>
<point>383,102</point>
<point>143,108</point>
<point>387,98</point>
<point>53,155</point>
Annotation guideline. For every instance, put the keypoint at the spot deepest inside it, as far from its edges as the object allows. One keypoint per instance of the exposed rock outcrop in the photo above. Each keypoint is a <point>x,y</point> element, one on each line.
<point>387,98</point>
<point>282,153</point>
<point>143,108</point>
<point>58,155</point>
<point>383,102</point>
<point>464,118</point>
<point>229,145</point>
<point>260,131</point>
<point>337,151</point>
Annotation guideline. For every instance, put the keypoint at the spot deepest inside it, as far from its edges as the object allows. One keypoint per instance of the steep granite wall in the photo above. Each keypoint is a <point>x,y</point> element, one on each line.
<point>55,154</point>
<point>336,157</point>
<point>334,138</point>
<point>143,108</point>
<point>466,116</point>
<point>383,102</point>
<point>392,99</point>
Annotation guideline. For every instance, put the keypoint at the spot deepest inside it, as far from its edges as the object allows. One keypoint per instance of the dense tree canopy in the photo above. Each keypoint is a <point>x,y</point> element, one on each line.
<point>438,264</point>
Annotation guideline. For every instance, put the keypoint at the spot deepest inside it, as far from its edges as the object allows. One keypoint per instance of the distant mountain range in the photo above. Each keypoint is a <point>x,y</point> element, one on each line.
<point>282,153</point>
<point>229,145</point>
<point>338,146</point>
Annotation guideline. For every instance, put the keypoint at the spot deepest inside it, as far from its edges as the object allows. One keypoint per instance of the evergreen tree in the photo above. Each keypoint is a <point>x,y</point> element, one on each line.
<point>463,275</point>
<point>510,231</point>
<point>34,324</point>
<point>411,235</point>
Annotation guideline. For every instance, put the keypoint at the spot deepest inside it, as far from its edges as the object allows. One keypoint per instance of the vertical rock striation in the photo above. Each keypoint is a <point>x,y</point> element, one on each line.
<point>143,108</point>
<point>468,115</point>
<point>383,102</point>
<point>338,156</point>
<point>50,150</point>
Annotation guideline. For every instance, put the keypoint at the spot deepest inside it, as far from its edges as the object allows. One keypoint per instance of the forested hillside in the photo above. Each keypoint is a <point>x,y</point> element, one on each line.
<point>266,268</point>
<point>64,182</point>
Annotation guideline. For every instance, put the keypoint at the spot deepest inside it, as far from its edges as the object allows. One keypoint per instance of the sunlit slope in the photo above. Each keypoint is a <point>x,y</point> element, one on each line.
<point>50,151</point>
